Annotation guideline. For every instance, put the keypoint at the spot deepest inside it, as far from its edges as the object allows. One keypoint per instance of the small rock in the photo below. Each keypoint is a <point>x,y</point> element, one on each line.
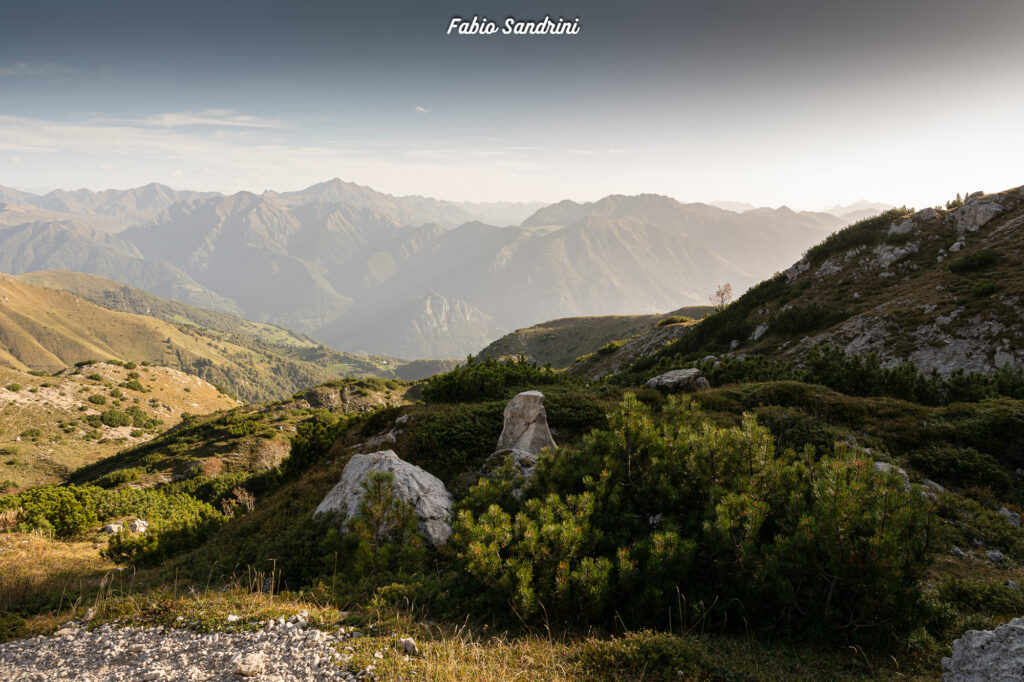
<point>249,665</point>
<point>679,380</point>
<point>232,618</point>
<point>995,556</point>
<point>956,551</point>
<point>138,526</point>
<point>112,528</point>
<point>408,645</point>
<point>1012,517</point>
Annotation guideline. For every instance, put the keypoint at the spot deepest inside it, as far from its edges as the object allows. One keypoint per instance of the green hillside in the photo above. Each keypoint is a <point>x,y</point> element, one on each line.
<point>255,361</point>
<point>561,342</point>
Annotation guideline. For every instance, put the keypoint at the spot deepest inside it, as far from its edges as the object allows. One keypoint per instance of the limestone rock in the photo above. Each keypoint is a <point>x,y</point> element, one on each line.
<point>526,424</point>
<point>679,380</point>
<point>975,213</point>
<point>112,528</point>
<point>408,645</point>
<point>138,526</point>
<point>425,492</point>
<point>1012,517</point>
<point>249,665</point>
<point>987,655</point>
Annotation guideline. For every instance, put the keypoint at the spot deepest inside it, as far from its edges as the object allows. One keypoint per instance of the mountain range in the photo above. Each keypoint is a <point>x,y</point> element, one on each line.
<point>404,276</point>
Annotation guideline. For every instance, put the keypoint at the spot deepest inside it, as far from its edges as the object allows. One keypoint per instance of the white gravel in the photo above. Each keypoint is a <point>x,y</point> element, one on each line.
<point>278,651</point>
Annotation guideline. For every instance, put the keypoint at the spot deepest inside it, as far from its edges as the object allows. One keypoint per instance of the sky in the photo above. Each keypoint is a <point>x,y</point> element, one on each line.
<point>802,103</point>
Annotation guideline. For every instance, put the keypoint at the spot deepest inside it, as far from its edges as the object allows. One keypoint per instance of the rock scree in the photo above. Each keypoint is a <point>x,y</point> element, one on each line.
<point>277,652</point>
<point>424,491</point>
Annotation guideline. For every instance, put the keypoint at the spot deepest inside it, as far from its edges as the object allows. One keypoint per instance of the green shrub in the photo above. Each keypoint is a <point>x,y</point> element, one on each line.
<point>115,478</point>
<point>674,319</point>
<point>983,289</point>
<point>134,385</point>
<point>115,417</point>
<point>31,433</point>
<point>37,373</point>
<point>804,319</point>
<point>13,387</point>
<point>972,595</point>
<point>130,365</point>
<point>384,536</point>
<point>490,379</point>
<point>97,399</point>
<point>975,261</point>
<point>314,438</point>
<point>63,511</point>
<point>960,466</point>
<point>663,506</point>
<point>867,232</point>
<point>644,655</point>
<point>610,347</point>
<point>94,377</point>
<point>862,375</point>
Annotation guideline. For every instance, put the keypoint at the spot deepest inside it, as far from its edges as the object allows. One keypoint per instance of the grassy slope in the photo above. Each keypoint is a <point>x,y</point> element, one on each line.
<point>46,329</point>
<point>116,296</point>
<point>562,341</point>
<point>295,360</point>
<point>57,407</point>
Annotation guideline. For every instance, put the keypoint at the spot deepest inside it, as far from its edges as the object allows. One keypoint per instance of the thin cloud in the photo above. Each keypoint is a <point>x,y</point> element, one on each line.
<point>217,118</point>
<point>30,69</point>
<point>423,110</point>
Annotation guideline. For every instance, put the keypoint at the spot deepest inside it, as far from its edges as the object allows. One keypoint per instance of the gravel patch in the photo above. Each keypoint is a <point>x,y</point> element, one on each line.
<point>278,651</point>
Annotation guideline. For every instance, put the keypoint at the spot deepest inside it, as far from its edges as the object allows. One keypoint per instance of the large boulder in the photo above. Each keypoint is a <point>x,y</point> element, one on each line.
<point>987,655</point>
<point>526,424</point>
<point>425,492</point>
<point>679,380</point>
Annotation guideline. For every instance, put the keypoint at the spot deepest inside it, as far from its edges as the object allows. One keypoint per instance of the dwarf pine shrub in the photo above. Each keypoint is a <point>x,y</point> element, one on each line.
<point>667,511</point>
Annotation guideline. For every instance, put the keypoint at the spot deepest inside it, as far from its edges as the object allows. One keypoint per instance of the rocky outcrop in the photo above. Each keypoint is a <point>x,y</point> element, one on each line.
<point>526,424</point>
<point>524,435</point>
<point>423,491</point>
<point>679,380</point>
<point>987,655</point>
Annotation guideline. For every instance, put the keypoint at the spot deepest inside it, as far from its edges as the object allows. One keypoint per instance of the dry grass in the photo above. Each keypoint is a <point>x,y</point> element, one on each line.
<point>59,581</point>
<point>44,576</point>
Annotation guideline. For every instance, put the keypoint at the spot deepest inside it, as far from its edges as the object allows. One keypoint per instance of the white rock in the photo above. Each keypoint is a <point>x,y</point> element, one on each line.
<point>112,528</point>
<point>526,424</point>
<point>759,331</point>
<point>250,665</point>
<point>982,655</point>
<point>886,468</point>
<point>975,213</point>
<point>679,380</point>
<point>138,526</point>
<point>1012,517</point>
<point>408,645</point>
<point>425,492</point>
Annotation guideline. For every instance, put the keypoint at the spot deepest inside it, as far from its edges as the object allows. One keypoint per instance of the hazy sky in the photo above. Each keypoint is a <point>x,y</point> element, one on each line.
<point>804,103</point>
